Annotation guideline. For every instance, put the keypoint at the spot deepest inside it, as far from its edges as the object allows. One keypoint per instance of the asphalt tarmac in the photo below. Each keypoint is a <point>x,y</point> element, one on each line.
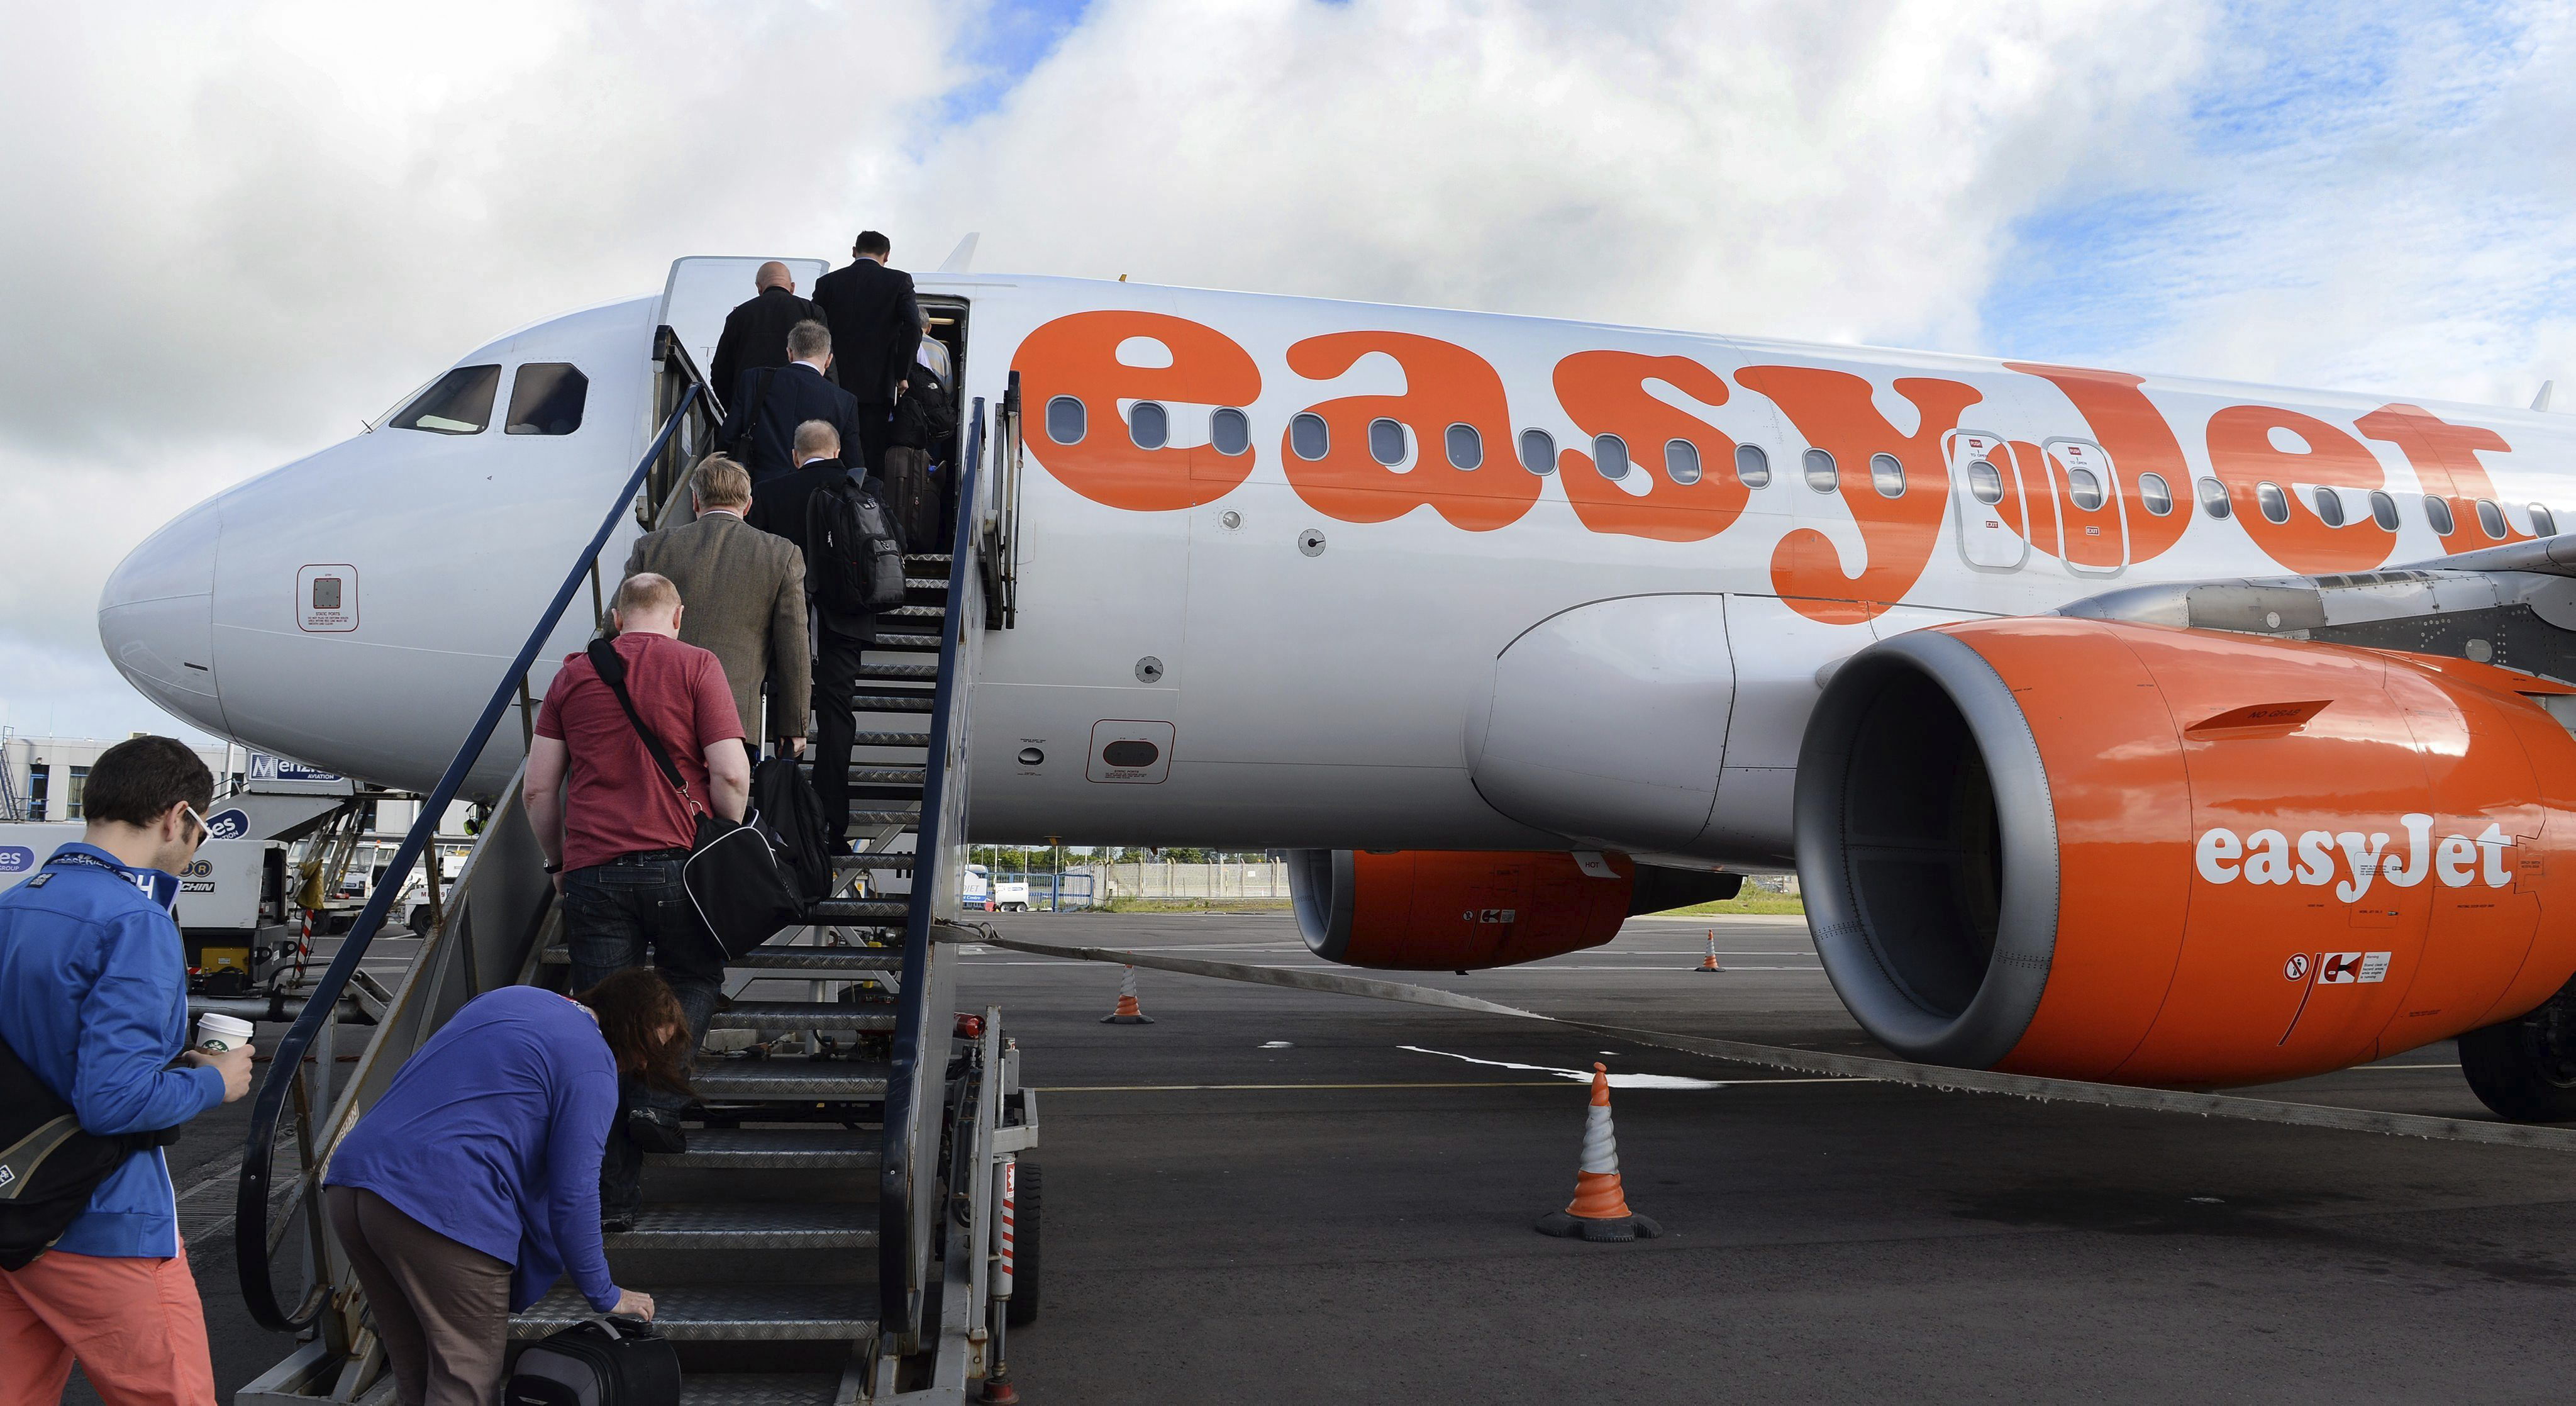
<point>1279,1196</point>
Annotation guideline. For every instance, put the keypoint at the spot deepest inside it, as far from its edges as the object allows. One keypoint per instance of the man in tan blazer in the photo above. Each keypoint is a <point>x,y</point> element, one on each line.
<point>745,593</point>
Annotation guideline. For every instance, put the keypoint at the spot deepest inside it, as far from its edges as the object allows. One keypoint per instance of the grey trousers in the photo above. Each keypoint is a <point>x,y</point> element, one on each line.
<point>442,1309</point>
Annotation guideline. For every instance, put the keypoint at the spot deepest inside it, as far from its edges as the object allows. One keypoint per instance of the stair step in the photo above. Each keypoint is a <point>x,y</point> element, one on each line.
<point>887,776</point>
<point>926,673</point>
<point>925,583</point>
<point>775,1149</point>
<point>844,911</point>
<point>913,612</point>
<point>899,860</point>
<point>805,1015</point>
<point>726,1312</point>
<point>869,819</point>
<point>788,1080</point>
<point>890,739</point>
<point>757,1389</point>
<point>892,702</point>
<point>777,957</point>
<point>759,1225</point>
<point>919,644</point>
<point>912,559</point>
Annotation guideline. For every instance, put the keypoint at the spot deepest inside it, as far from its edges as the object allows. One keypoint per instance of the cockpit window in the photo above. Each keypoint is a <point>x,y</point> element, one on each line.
<point>459,402</point>
<point>547,398</point>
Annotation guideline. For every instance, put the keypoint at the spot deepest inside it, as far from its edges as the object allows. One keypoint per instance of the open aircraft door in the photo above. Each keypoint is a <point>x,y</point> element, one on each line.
<point>703,288</point>
<point>1985,484</point>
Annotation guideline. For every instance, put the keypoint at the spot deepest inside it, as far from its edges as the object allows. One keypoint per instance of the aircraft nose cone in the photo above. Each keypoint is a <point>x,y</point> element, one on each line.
<point>155,617</point>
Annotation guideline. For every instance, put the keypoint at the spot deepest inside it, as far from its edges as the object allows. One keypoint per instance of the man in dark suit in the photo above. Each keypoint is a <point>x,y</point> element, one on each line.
<point>768,405</point>
<point>779,506</point>
<point>877,325</point>
<point>755,333</point>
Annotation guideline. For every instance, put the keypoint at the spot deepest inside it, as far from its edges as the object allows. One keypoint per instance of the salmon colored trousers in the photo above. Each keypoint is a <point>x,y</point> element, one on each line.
<point>135,1325</point>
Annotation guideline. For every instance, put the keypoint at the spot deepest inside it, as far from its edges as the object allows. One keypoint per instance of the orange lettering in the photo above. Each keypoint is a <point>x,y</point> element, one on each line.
<point>1605,393</point>
<point>1077,357</point>
<point>1833,410</point>
<point>1444,385</point>
<point>2127,424</point>
<point>2445,457</point>
<point>2242,454</point>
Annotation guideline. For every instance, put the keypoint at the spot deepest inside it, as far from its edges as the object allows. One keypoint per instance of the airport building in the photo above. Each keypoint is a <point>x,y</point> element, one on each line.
<point>41,778</point>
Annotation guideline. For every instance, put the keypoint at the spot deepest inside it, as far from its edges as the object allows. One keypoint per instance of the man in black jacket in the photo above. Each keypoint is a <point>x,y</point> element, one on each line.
<point>780,506</point>
<point>768,404</point>
<point>755,333</point>
<point>877,325</point>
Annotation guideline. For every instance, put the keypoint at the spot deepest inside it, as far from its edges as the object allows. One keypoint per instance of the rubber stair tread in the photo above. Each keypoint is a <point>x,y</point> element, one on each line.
<point>775,1148</point>
<point>892,702</point>
<point>725,1312</point>
<point>862,775</point>
<point>753,1225</point>
<point>759,1389</point>
<point>789,1080</point>
<point>890,739</point>
<point>926,673</point>
<point>804,1015</point>
<point>778,957</point>
<point>925,583</point>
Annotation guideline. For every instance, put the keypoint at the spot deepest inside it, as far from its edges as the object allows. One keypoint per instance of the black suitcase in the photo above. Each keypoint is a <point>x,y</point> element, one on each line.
<point>604,1362</point>
<point>912,499</point>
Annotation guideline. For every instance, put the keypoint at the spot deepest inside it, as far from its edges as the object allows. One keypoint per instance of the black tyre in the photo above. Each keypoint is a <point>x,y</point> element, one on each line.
<point>2523,1068</point>
<point>1024,1247</point>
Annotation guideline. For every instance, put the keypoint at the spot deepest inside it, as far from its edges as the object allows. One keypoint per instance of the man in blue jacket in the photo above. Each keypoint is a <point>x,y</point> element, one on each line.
<point>94,998</point>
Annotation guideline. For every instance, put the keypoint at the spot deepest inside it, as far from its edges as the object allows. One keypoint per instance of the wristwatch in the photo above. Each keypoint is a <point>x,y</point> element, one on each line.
<point>555,868</point>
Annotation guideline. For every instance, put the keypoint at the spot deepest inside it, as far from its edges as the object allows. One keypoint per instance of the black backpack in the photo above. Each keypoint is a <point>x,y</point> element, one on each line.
<point>48,1165</point>
<point>793,815</point>
<point>857,556</point>
<point>604,1362</point>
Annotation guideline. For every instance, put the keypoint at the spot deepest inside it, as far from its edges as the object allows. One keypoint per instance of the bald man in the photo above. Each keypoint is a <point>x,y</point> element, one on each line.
<point>755,334</point>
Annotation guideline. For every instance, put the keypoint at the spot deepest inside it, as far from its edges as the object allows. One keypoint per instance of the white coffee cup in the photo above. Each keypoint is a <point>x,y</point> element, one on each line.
<point>217,1033</point>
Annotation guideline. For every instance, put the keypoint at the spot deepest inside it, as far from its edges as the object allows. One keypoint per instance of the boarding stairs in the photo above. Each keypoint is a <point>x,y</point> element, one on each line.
<point>830,1234</point>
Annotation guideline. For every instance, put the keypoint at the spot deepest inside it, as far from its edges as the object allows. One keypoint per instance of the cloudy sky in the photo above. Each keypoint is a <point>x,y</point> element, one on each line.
<point>235,230</point>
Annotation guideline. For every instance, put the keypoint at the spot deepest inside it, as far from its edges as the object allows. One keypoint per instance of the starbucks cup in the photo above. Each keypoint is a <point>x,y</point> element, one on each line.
<point>217,1033</point>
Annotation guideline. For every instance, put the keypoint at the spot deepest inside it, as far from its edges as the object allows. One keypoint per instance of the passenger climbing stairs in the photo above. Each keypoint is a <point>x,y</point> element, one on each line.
<point>830,1235</point>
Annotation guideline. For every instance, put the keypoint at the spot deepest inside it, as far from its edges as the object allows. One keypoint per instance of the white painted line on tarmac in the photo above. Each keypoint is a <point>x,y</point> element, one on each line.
<point>1621,1081</point>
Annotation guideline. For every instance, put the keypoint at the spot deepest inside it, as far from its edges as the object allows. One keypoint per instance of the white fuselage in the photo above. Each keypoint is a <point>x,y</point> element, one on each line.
<point>1430,658</point>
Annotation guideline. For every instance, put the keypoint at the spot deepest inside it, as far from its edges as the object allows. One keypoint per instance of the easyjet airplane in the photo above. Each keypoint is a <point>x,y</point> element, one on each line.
<point>2100,715</point>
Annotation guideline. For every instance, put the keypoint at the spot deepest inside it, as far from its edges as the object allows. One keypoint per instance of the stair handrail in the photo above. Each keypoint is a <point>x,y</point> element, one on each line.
<point>250,1211</point>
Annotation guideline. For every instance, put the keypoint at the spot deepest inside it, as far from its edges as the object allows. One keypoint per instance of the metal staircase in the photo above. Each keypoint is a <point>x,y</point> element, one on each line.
<point>829,1235</point>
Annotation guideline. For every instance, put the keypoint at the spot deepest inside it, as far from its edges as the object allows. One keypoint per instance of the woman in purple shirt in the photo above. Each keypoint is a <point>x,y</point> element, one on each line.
<point>473,1184</point>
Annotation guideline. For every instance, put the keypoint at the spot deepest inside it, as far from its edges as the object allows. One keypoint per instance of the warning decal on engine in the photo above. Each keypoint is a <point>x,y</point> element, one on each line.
<point>2350,968</point>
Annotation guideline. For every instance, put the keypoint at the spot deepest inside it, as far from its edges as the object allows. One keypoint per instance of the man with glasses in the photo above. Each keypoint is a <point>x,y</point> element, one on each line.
<point>94,1002</point>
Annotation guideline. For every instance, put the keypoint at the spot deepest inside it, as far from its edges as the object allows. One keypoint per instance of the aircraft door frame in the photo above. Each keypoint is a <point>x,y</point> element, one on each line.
<point>1992,536</point>
<point>2085,454</point>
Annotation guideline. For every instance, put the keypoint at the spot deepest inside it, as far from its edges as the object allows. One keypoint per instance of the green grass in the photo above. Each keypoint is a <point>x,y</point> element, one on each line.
<point>1750,901</point>
<point>1193,905</point>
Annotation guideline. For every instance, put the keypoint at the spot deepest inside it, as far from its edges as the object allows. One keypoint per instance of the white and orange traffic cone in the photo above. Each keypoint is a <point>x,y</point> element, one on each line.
<point>1128,1012</point>
<point>1709,962</point>
<point>1599,1210</point>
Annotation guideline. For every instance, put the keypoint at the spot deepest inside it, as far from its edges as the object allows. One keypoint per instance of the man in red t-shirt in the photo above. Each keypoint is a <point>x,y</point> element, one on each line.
<point>614,839</point>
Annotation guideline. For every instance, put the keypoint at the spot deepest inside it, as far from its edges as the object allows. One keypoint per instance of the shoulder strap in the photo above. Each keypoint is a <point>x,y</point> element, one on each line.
<point>750,436</point>
<point>612,671</point>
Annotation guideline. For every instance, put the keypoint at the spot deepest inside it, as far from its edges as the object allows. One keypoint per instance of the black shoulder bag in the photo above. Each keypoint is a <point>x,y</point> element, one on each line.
<point>48,1165</point>
<point>732,874</point>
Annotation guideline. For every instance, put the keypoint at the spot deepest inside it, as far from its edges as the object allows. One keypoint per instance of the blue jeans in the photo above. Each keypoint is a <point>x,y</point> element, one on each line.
<point>613,913</point>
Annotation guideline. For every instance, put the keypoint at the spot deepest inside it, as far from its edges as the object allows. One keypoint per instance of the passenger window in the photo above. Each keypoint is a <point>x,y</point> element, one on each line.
<point>2213,498</point>
<point>1229,431</point>
<point>2083,489</point>
<point>1538,451</point>
<point>2438,512</point>
<point>1985,482</point>
<point>2542,523</point>
<point>459,402</point>
<point>2329,507</point>
<point>2154,495</point>
<point>1752,466</point>
<point>2491,518</point>
<point>2383,510</point>
<point>1309,437</point>
<point>1681,461</point>
<point>1821,475</point>
<point>2274,503</point>
<point>1887,475</point>
<point>1386,442</point>
<point>1149,425</point>
<point>1610,455</point>
<point>1466,447</point>
<point>1064,420</point>
<point>547,398</point>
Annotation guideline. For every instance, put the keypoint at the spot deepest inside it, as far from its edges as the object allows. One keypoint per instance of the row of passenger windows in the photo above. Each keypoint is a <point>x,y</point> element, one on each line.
<point>1149,426</point>
<point>546,399</point>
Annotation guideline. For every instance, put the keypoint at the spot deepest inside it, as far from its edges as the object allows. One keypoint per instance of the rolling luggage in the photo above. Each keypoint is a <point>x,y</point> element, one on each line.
<point>912,498</point>
<point>605,1362</point>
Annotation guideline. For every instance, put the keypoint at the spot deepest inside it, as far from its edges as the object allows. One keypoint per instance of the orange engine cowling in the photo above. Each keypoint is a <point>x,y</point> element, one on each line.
<point>1460,910</point>
<point>2101,850</point>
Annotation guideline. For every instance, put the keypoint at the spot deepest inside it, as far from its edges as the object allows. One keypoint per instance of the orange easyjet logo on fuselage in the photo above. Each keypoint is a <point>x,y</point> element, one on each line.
<point>1447,442</point>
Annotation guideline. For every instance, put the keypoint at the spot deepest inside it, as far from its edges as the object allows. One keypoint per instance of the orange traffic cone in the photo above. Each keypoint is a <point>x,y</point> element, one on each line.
<point>1128,1012</point>
<point>1599,1210</point>
<point>1709,962</point>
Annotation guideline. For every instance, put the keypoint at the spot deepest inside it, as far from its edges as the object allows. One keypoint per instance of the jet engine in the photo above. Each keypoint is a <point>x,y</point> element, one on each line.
<point>1435,910</point>
<point>2105,850</point>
